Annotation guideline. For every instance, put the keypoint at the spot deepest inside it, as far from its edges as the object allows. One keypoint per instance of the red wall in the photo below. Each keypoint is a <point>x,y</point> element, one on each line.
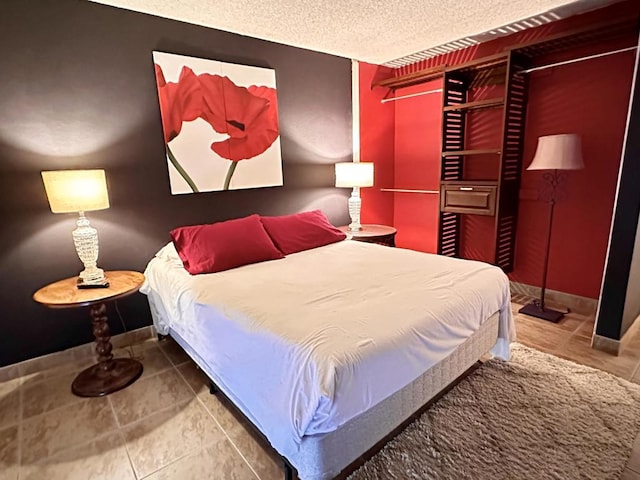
<point>589,98</point>
<point>377,124</point>
<point>417,166</point>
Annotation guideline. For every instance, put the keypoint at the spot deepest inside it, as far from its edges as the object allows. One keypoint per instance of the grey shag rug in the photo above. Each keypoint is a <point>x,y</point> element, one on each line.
<point>535,417</point>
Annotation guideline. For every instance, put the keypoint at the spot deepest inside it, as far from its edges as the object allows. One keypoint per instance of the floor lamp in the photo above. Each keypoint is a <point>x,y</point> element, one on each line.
<point>556,153</point>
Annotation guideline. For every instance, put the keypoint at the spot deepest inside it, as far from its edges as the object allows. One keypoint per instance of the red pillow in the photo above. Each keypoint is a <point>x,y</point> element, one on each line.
<point>301,231</point>
<point>224,245</point>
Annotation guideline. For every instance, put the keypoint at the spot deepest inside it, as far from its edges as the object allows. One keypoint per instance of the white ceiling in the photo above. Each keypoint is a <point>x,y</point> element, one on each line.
<point>374,31</point>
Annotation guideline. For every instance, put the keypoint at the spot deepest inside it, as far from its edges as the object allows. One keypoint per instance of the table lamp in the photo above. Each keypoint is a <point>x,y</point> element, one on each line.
<point>555,153</point>
<point>80,191</point>
<point>354,175</point>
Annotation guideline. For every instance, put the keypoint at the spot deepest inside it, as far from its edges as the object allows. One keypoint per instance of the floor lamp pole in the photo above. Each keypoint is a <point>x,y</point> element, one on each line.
<point>552,204</point>
<point>537,308</point>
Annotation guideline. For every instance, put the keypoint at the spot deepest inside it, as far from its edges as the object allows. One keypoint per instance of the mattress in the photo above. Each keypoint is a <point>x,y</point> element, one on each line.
<point>305,344</point>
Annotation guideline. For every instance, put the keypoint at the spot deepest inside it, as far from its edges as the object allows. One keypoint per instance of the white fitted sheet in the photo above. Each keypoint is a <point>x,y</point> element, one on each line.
<point>306,343</point>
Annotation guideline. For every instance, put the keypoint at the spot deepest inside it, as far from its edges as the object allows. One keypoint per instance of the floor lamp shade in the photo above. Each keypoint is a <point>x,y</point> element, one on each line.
<point>80,191</point>
<point>354,175</point>
<point>555,153</point>
<point>558,152</point>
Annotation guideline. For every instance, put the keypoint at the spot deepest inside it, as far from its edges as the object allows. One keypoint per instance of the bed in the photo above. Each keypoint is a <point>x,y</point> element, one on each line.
<point>328,350</point>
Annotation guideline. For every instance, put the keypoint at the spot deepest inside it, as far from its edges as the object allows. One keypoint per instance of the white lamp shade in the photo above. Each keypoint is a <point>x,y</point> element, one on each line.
<point>76,190</point>
<point>558,152</point>
<point>358,174</point>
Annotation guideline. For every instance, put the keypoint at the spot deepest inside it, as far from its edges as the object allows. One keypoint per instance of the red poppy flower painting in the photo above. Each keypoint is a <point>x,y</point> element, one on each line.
<point>220,124</point>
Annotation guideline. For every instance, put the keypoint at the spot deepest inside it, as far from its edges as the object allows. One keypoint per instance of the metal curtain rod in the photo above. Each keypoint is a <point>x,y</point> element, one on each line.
<point>408,190</point>
<point>567,62</point>
<point>393,99</point>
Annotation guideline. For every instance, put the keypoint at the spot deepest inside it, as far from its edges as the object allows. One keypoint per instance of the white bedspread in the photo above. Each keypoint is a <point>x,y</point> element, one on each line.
<point>306,343</point>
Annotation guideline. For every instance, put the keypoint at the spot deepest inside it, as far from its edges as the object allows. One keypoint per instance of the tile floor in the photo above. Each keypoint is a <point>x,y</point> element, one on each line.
<point>164,426</point>
<point>168,426</point>
<point>571,339</point>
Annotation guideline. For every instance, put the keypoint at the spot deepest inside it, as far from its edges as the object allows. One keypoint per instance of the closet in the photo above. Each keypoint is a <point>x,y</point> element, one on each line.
<point>483,178</point>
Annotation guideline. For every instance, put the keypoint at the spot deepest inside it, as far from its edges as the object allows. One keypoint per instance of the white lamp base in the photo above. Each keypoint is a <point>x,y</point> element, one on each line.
<point>85,238</point>
<point>355,203</point>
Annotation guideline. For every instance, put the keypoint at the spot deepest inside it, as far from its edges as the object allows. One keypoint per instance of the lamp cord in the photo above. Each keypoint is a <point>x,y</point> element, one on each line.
<point>124,327</point>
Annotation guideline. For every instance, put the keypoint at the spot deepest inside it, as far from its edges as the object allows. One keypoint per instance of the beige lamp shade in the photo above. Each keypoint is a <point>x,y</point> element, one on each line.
<point>558,152</point>
<point>76,190</point>
<point>358,174</point>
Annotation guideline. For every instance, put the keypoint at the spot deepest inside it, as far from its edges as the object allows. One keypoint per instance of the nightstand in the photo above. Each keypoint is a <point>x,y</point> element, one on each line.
<point>382,234</point>
<point>109,374</point>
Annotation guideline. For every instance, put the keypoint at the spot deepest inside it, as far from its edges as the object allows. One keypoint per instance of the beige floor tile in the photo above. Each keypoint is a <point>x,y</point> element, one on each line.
<point>9,402</point>
<point>56,370</point>
<point>260,456</point>
<point>66,427</point>
<point>54,365</point>
<point>9,453</point>
<point>173,351</point>
<point>630,475</point>
<point>634,459</point>
<point>195,377</point>
<point>586,329</point>
<point>220,410</point>
<point>162,438</point>
<point>578,349</point>
<point>534,333</point>
<point>149,354</point>
<point>102,459</point>
<point>45,395</point>
<point>255,450</point>
<point>149,395</point>
<point>219,461</point>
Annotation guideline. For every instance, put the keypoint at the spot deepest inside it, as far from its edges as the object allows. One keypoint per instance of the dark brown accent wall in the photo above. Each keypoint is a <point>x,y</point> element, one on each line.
<point>619,303</point>
<point>77,90</point>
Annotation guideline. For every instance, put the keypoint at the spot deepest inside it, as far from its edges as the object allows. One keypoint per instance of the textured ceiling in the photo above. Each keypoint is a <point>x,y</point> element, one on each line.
<point>374,31</point>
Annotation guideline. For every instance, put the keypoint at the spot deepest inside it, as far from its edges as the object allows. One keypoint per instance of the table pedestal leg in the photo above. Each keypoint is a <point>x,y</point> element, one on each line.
<point>108,375</point>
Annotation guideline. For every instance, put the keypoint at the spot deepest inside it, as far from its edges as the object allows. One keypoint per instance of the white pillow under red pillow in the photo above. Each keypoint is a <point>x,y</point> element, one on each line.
<point>220,246</point>
<point>301,231</point>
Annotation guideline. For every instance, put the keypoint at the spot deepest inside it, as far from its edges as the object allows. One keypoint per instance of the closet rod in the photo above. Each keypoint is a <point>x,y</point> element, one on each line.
<point>408,190</point>
<point>393,99</point>
<point>567,62</point>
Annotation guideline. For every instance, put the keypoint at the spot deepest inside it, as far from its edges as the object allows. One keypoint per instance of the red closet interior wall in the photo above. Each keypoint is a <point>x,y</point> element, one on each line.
<point>589,98</point>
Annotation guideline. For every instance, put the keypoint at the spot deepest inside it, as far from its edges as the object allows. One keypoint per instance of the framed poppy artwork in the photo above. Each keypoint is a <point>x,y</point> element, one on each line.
<point>220,123</point>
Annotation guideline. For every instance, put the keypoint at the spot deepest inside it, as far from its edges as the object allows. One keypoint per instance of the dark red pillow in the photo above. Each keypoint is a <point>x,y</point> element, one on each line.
<point>301,231</point>
<point>223,245</point>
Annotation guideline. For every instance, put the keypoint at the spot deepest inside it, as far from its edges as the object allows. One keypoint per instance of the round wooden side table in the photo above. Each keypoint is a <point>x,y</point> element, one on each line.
<point>382,234</point>
<point>109,374</point>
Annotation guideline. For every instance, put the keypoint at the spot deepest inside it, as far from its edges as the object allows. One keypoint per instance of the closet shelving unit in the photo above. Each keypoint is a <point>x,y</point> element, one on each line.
<point>497,197</point>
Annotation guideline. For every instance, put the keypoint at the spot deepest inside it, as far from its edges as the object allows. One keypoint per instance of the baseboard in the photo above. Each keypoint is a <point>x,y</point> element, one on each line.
<point>51,360</point>
<point>606,344</point>
<point>611,345</point>
<point>576,303</point>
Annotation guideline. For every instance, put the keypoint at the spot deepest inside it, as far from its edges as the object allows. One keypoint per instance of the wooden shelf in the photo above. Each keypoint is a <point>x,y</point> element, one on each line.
<point>423,76</point>
<point>477,105</point>
<point>484,63</point>
<point>592,34</point>
<point>455,153</point>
